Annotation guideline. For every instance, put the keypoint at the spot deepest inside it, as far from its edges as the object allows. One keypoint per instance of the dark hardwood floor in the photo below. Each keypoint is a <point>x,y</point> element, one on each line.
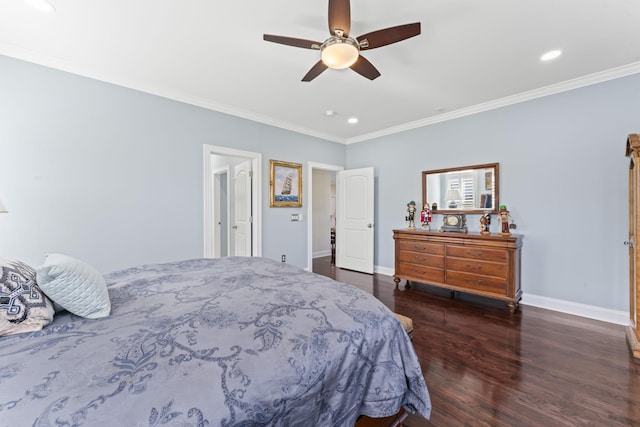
<point>486,367</point>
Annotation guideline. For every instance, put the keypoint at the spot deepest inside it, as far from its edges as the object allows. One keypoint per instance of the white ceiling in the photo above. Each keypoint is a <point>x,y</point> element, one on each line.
<point>472,55</point>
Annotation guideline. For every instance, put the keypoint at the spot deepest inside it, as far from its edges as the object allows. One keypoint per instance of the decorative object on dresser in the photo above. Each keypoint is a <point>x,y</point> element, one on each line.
<point>482,265</point>
<point>633,330</point>
<point>506,221</point>
<point>454,222</point>
<point>466,189</point>
<point>411,215</point>
<point>425,216</point>
<point>485,224</point>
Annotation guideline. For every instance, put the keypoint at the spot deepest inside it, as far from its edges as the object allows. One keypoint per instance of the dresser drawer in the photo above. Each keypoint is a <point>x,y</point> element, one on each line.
<point>415,246</point>
<point>477,252</point>
<point>421,258</point>
<point>477,266</point>
<point>481,283</point>
<point>420,272</point>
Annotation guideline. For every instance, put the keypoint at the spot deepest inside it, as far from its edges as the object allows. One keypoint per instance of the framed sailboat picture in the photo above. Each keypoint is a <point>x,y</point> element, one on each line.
<point>286,184</point>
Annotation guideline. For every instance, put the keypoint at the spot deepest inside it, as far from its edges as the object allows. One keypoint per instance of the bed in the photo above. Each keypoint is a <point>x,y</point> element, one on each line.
<point>219,342</point>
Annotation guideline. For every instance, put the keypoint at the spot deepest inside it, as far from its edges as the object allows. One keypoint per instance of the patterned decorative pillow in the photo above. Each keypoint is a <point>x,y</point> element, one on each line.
<point>75,285</point>
<point>23,306</point>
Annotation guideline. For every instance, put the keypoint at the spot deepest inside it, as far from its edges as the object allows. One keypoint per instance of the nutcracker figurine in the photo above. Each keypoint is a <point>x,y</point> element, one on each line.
<point>485,223</point>
<point>504,218</point>
<point>411,209</point>
<point>425,216</point>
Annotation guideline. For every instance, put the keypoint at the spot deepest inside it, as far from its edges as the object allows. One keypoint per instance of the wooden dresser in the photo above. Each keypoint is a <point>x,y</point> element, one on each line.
<point>465,262</point>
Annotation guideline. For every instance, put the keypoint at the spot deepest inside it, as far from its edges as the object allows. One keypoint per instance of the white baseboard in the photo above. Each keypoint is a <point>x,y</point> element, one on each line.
<point>384,270</point>
<point>583,310</point>
<point>320,254</point>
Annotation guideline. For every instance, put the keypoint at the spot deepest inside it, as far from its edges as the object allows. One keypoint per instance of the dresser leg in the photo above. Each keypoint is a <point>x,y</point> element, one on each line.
<point>407,285</point>
<point>512,306</point>
<point>452,294</point>
<point>397,280</point>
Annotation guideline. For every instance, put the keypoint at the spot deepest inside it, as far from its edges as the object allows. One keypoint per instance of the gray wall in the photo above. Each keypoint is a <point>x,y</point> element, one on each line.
<point>563,175</point>
<point>115,176</point>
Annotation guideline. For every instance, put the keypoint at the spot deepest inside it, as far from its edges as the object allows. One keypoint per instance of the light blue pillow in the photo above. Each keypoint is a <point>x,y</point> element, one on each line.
<point>75,285</point>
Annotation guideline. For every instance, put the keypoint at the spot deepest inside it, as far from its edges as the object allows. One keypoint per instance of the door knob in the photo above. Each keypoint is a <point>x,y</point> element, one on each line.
<point>628,243</point>
<point>235,227</point>
<point>370,225</point>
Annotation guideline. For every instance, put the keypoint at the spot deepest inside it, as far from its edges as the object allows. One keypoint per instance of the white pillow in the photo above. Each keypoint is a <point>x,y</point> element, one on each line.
<point>75,285</point>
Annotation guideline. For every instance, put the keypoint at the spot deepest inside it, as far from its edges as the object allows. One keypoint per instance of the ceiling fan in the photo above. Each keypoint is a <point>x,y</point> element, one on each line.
<point>342,51</point>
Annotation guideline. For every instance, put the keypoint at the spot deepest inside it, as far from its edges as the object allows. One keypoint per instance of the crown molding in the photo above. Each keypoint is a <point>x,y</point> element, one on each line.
<point>63,64</point>
<point>591,79</point>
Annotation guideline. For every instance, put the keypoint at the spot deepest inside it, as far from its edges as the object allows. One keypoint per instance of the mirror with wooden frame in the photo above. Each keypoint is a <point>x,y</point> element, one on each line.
<point>466,189</point>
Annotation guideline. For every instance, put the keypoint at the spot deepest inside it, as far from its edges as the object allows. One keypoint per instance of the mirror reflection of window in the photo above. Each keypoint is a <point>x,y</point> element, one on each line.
<point>471,189</point>
<point>462,186</point>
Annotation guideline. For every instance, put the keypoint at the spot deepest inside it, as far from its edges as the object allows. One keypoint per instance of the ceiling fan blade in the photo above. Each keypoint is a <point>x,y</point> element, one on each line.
<point>365,68</point>
<point>291,41</point>
<point>315,71</point>
<point>388,35</point>
<point>339,17</point>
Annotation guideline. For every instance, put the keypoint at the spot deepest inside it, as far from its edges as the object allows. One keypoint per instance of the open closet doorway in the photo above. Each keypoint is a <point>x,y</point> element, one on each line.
<point>321,212</point>
<point>232,202</point>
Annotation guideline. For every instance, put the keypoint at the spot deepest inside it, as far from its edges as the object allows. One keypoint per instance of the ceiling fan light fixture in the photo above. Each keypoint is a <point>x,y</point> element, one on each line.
<point>340,52</point>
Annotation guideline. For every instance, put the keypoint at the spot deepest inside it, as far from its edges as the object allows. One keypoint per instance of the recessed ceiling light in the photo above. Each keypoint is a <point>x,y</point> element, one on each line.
<point>330,113</point>
<point>553,54</point>
<point>352,120</point>
<point>41,5</point>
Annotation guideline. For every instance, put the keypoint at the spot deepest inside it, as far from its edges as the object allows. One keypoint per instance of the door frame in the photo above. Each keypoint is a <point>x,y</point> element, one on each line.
<point>209,226</point>
<point>310,167</point>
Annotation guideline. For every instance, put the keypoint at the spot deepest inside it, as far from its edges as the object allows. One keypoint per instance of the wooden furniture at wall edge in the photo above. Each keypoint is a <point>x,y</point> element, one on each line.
<point>633,330</point>
<point>485,265</point>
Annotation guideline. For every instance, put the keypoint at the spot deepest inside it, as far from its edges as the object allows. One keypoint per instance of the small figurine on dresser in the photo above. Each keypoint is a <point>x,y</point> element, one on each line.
<point>506,220</point>
<point>411,209</point>
<point>425,216</point>
<point>485,223</point>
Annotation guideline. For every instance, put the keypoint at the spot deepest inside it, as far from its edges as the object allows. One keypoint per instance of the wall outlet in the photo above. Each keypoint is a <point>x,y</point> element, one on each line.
<point>284,258</point>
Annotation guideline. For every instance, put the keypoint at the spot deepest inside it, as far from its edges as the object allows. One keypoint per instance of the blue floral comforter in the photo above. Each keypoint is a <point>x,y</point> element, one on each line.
<point>225,342</point>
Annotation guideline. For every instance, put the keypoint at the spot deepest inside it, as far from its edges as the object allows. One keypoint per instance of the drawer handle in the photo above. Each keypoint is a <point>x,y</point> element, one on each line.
<point>477,282</point>
<point>478,253</point>
<point>417,258</point>
<point>419,248</point>
<point>478,267</point>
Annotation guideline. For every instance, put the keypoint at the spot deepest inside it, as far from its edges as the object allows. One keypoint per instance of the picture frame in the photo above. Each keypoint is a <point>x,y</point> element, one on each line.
<point>285,184</point>
<point>488,184</point>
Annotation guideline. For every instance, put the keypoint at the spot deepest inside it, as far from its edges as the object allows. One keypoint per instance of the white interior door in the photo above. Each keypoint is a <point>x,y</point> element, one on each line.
<point>354,220</point>
<point>242,209</point>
